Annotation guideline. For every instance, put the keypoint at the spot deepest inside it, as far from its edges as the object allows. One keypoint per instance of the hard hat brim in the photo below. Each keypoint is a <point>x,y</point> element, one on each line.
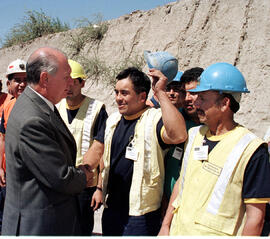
<point>201,89</point>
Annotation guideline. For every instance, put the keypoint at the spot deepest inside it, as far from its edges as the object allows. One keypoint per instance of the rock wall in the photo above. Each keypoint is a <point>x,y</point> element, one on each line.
<point>198,33</point>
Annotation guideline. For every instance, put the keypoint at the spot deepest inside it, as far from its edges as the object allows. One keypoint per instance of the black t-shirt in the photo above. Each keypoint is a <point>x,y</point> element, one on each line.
<point>121,168</point>
<point>100,124</point>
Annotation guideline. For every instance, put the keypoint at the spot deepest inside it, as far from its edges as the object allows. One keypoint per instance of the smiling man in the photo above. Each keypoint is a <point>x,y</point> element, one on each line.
<point>224,182</point>
<point>135,141</point>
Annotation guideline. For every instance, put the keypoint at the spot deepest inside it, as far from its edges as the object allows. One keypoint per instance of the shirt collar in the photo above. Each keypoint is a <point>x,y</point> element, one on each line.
<point>49,103</point>
<point>135,116</point>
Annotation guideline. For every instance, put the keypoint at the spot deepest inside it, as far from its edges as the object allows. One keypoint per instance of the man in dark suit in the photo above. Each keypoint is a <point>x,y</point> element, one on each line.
<point>42,180</point>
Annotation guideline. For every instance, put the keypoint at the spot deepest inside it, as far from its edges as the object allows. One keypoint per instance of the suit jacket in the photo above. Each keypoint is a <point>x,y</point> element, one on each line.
<point>42,181</point>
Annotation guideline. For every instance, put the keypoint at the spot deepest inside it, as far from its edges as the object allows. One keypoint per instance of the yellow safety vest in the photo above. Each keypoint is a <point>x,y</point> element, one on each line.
<point>82,126</point>
<point>148,172</point>
<point>210,194</point>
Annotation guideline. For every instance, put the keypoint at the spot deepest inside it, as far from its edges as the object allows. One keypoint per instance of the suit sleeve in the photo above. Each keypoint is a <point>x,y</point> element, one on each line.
<point>42,154</point>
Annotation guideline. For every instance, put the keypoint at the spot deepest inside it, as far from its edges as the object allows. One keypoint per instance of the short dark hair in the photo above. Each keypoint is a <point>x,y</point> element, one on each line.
<point>140,81</point>
<point>80,79</point>
<point>34,67</point>
<point>10,76</point>
<point>191,75</point>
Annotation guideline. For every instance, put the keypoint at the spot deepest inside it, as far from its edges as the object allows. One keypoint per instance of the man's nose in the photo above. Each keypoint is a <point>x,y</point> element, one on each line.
<point>118,97</point>
<point>171,92</point>
<point>187,96</point>
<point>70,81</point>
<point>23,83</point>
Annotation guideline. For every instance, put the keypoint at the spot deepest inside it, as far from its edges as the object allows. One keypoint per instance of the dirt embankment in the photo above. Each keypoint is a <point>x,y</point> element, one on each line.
<point>199,33</point>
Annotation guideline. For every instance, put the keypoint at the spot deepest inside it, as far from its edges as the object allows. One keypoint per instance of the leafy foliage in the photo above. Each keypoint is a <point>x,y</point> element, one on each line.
<point>97,70</point>
<point>89,31</point>
<point>35,24</point>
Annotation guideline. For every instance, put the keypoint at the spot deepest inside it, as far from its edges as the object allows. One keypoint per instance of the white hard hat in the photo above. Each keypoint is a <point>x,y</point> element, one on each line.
<point>16,66</point>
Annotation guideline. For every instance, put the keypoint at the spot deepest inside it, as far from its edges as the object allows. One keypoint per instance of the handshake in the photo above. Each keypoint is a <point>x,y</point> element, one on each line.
<point>88,173</point>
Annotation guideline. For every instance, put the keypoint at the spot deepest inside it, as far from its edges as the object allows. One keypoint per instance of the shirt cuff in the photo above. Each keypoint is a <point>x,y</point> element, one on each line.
<point>256,200</point>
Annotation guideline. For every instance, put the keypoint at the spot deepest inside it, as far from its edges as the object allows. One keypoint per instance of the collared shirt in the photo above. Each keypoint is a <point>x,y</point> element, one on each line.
<point>49,103</point>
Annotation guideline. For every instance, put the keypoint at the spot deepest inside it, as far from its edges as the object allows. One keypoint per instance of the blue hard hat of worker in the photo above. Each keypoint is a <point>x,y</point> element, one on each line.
<point>178,76</point>
<point>222,77</point>
<point>163,61</point>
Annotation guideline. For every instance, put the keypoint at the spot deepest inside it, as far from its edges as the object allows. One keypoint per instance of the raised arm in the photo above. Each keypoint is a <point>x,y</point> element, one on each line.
<point>174,123</point>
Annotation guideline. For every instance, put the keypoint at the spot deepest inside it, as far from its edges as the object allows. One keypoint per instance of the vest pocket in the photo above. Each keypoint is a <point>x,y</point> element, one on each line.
<point>217,224</point>
<point>151,172</point>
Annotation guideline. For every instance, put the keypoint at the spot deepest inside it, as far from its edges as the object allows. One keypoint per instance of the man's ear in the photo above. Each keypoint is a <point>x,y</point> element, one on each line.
<point>143,97</point>
<point>83,83</point>
<point>43,79</point>
<point>225,105</point>
<point>8,86</point>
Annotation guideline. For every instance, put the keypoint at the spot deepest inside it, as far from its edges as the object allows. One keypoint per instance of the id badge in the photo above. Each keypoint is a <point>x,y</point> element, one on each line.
<point>201,152</point>
<point>131,153</point>
<point>177,153</point>
<point>212,168</point>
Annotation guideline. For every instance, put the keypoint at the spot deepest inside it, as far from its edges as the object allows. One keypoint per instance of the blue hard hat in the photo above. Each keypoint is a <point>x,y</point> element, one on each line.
<point>163,61</point>
<point>178,76</point>
<point>221,77</point>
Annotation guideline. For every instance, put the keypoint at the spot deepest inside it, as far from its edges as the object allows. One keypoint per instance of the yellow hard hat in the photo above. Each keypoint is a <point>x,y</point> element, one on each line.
<point>76,70</point>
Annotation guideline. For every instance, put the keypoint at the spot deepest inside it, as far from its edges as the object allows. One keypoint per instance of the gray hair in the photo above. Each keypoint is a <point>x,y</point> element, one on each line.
<point>41,63</point>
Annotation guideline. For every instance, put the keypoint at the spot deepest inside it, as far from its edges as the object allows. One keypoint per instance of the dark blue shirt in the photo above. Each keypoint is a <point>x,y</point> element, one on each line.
<point>100,124</point>
<point>121,168</point>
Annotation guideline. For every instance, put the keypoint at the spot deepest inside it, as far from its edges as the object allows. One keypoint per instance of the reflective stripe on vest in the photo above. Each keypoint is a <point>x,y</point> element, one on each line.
<point>223,179</point>
<point>111,124</point>
<point>191,138</point>
<point>88,121</point>
<point>148,134</point>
